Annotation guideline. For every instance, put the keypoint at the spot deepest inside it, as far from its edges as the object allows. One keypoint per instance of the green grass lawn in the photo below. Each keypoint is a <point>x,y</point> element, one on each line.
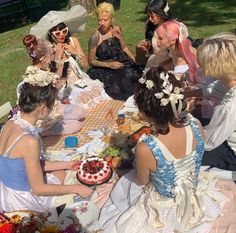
<point>203,18</point>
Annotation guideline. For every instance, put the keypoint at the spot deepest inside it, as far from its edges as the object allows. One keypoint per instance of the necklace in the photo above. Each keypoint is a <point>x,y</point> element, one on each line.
<point>106,36</point>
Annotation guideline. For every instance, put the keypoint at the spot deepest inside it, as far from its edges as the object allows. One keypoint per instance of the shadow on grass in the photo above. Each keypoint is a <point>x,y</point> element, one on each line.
<point>200,13</point>
<point>33,15</point>
<point>205,12</point>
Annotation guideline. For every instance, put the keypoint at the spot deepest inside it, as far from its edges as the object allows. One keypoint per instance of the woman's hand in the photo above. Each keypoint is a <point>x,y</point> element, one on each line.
<point>145,45</point>
<point>194,104</point>
<point>83,190</point>
<point>73,165</point>
<point>70,49</point>
<point>116,65</point>
<point>59,83</point>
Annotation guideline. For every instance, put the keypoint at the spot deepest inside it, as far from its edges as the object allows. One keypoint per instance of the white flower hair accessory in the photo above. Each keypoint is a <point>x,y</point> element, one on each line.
<point>177,90</point>
<point>37,77</point>
<point>183,32</point>
<point>168,87</point>
<point>145,71</point>
<point>174,96</point>
<point>166,9</point>
<point>165,78</point>
<point>149,84</point>
<point>164,101</point>
<point>142,80</point>
<point>159,95</point>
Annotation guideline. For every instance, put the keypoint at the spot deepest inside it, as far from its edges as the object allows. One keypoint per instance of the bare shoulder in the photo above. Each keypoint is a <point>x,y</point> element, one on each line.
<point>11,130</point>
<point>144,157</point>
<point>74,38</point>
<point>30,148</point>
<point>116,31</point>
<point>117,28</point>
<point>8,125</point>
<point>95,35</point>
<point>29,142</point>
<point>142,150</point>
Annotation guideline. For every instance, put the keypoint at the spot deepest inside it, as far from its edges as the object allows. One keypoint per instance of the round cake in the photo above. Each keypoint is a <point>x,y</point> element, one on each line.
<point>94,171</point>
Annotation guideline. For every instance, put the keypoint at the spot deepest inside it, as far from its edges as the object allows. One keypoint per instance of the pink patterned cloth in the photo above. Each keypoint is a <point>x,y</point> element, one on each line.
<point>65,119</point>
<point>227,222</point>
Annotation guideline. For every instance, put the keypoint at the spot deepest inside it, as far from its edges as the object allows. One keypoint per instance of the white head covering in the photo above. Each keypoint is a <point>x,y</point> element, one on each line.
<point>75,18</point>
<point>36,77</point>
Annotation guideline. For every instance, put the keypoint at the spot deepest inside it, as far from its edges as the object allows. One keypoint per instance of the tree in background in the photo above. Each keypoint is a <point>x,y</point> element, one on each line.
<point>89,5</point>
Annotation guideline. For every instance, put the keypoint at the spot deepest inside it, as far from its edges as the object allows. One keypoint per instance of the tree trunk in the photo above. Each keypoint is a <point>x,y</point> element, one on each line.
<point>89,5</point>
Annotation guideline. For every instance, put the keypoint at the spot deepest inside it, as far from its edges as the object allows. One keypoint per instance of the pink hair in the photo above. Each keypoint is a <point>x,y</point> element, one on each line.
<point>171,30</point>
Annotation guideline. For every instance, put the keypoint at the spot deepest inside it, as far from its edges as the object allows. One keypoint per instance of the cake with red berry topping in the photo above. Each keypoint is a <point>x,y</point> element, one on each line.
<point>94,171</point>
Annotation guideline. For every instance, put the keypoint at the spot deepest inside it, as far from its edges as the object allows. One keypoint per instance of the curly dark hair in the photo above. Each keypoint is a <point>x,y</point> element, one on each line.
<point>148,104</point>
<point>59,26</point>
<point>31,96</point>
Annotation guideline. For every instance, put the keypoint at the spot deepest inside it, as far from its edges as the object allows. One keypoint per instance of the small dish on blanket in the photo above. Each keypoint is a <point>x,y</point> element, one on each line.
<point>84,212</point>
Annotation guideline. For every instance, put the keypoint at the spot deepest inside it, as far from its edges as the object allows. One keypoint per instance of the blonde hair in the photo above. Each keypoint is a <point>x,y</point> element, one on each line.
<point>105,7</point>
<point>217,56</point>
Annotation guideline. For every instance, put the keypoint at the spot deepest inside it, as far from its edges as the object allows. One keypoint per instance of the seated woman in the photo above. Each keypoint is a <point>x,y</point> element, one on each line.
<point>67,48</point>
<point>158,13</point>
<point>173,35</point>
<point>64,118</point>
<point>111,61</point>
<point>26,181</point>
<point>69,56</point>
<point>165,192</point>
<point>217,58</point>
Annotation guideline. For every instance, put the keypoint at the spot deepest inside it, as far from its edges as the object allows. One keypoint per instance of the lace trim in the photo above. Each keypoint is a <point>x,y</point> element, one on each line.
<point>229,95</point>
<point>26,126</point>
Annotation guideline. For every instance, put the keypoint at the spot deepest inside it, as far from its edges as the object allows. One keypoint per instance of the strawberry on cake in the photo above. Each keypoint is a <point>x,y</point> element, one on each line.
<point>94,171</point>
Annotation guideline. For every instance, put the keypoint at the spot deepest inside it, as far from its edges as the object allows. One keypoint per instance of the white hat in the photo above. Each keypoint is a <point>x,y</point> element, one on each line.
<point>75,18</point>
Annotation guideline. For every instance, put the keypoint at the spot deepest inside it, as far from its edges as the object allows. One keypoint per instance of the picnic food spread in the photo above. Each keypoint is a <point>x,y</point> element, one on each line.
<point>94,171</point>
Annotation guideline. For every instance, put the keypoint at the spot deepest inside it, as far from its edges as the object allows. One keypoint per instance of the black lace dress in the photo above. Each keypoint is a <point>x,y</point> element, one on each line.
<point>118,83</point>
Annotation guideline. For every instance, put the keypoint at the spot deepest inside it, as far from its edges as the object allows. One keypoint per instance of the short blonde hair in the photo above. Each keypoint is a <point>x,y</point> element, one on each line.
<point>105,7</point>
<point>217,56</point>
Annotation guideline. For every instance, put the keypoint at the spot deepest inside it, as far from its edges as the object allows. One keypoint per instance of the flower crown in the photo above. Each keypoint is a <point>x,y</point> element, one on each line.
<point>173,94</point>
<point>37,77</point>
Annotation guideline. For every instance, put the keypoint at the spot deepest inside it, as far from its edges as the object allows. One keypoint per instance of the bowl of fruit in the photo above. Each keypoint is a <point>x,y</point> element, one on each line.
<point>114,155</point>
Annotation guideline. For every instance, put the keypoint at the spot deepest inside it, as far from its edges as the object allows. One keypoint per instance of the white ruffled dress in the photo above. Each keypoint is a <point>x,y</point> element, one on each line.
<point>177,200</point>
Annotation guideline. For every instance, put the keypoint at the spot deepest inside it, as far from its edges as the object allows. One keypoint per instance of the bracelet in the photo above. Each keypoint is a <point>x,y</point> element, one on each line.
<point>78,57</point>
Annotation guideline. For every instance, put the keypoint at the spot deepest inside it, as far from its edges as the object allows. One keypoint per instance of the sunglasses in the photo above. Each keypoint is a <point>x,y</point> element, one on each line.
<point>59,33</point>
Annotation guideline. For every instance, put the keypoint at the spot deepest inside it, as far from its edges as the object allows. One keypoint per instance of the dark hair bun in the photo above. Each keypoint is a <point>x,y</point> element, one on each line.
<point>31,96</point>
